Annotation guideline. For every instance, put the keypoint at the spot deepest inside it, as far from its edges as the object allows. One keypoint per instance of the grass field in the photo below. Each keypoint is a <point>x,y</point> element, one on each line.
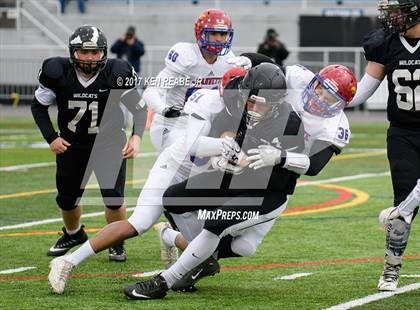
<point>330,230</point>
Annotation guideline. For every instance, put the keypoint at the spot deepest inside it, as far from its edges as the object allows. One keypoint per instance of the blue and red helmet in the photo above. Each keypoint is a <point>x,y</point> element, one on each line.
<point>213,20</point>
<point>329,91</point>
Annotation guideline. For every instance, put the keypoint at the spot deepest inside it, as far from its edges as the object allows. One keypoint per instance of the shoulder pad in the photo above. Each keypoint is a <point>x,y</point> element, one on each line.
<point>374,45</point>
<point>120,74</point>
<point>180,57</point>
<point>52,71</point>
<point>298,76</point>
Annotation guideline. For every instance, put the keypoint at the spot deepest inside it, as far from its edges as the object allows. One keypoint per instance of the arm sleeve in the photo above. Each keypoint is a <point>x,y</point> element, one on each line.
<point>365,88</point>
<point>197,141</point>
<point>320,159</point>
<point>43,120</point>
<point>154,96</point>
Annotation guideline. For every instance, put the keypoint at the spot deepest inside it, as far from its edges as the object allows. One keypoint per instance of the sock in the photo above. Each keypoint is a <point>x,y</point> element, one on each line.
<point>411,202</point>
<point>80,254</point>
<point>169,236</point>
<point>197,252</point>
<point>74,231</point>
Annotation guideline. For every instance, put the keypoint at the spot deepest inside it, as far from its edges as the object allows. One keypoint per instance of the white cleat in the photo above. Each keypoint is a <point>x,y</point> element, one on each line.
<point>168,253</point>
<point>387,284</point>
<point>389,214</point>
<point>389,278</point>
<point>59,273</point>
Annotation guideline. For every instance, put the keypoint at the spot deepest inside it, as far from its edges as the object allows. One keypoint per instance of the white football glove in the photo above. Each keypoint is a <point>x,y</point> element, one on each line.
<point>231,151</point>
<point>240,61</point>
<point>220,163</point>
<point>265,155</point>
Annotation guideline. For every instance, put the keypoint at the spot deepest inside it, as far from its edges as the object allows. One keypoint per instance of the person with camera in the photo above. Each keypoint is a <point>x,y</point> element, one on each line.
<point>130,48</point>
<point>273,48</point>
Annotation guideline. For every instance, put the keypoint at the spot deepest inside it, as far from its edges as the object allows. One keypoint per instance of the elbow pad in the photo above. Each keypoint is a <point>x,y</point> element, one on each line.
<point>297,162</point>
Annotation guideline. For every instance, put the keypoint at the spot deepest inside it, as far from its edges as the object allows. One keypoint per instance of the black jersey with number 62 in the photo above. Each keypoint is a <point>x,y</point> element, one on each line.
<point>81,104</point>
<point>401,59</point>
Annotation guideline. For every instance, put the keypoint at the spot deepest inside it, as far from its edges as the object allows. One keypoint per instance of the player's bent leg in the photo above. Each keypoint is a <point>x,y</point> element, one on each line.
<point>198,251</point>
<point>110,235</point>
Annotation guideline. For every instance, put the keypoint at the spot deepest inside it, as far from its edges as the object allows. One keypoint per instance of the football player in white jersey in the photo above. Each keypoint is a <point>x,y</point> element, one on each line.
<point>320,98</point>
<point>173,165</point>
<point>190,66</point>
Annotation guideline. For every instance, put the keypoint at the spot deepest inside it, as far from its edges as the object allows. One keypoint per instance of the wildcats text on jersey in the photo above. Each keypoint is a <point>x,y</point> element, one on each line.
<point>410,62</point>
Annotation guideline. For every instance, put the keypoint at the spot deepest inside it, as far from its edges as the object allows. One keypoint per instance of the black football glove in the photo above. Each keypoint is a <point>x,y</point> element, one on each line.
<point>172,112</point>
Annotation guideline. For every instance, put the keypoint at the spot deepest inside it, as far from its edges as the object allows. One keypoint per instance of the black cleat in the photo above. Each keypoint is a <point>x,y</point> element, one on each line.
<point>66,242</point>
<point>154,288</point>
<point>117,253</point>
<point>207,268</point>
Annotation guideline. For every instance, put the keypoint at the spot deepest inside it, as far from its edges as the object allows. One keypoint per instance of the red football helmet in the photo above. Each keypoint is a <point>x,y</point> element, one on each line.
<point>330,91</point>
<point>213,20</point>
<point>229,75</point>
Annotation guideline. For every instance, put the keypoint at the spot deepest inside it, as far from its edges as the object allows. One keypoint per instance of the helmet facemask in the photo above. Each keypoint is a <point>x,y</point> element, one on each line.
<point>215,47</point>
<point>260,105</point>
<point>320,98</point>
<point>397,16</point>
<point>88,67</point>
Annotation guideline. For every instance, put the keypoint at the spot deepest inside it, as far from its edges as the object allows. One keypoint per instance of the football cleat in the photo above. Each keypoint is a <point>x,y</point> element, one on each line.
<point>168,254</point>
<point>154,288</point>
<point>389,214</point>
<point>207,268</point>
<point>117,253</point>
<point>60,269</point>
<point>66,242</point>
<point>389,278</point>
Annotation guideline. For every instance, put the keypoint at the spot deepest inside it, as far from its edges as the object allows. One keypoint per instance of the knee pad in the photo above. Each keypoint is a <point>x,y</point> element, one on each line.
<point>397,235</point>
<point>243,247</point>
<point>66,203</point>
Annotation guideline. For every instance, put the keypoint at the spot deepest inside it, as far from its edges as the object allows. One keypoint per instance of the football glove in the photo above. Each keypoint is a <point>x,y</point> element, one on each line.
<point>265,155</point>
<point>231,151</point>
<point>220,163</point>
<point>172,112</point>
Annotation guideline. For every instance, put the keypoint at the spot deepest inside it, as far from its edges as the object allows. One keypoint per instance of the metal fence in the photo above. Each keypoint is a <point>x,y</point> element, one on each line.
<point>19,70</point>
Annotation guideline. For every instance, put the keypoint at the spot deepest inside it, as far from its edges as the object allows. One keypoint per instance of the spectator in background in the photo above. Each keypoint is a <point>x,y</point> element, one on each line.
<point>129,47</point>
<point>273,48</point>
<point>81,5</point>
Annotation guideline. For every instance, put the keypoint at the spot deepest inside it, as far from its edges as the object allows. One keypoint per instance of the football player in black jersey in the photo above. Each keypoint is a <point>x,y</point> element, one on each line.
<point>87,89</point>
<point>394,52</point>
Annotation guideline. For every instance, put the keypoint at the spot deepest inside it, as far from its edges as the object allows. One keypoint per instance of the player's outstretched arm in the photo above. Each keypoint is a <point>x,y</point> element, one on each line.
<point>369,83</point>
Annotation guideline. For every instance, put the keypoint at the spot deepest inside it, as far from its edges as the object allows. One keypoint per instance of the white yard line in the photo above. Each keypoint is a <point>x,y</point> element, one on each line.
<point>20,269</point>
<point>53,220</point>
<point>410,276</point>
<point>332,180</point>
<point>49,164</point>
<point>293,276</point>
<point>27,166</point>
<point>364,300</point>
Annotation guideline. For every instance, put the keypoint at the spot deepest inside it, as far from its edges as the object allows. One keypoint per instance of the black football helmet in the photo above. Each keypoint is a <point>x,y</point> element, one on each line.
<point>397,16</point>
<point>264,84</point>
<point>88,37</point>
